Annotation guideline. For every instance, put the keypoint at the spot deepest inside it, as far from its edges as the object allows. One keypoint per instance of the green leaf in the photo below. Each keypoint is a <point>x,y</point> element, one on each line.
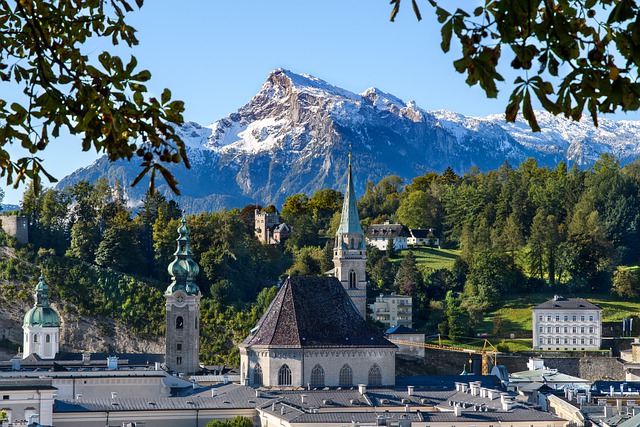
<point>446,31</point>
<point>416,10</point>
<point>142,76</point>
<point>527,112</point>
<point>396,9</point>
<point>166,96</point>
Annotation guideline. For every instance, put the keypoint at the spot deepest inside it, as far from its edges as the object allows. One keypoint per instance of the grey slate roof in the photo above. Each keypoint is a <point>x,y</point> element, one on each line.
<point>314,312</point>
<point>386,231</point>
<point>228,396</point>
<point>287,405</point>
<point>420,233</point>
<point>401,329</point>
<point>566,303</point>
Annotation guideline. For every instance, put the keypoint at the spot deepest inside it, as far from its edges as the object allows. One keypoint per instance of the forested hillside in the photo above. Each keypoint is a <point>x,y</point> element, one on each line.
<point>518,229</point>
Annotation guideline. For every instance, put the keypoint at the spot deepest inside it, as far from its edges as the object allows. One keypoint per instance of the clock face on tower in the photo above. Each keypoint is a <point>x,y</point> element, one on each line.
<point>180,296</point>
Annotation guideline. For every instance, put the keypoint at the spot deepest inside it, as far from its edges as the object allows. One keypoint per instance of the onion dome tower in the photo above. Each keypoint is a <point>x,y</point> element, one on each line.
<point>349,252</point>
<point>183,308</point>
<point>41,325</point>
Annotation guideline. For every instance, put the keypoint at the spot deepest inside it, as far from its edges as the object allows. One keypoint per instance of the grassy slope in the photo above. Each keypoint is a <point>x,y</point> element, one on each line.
<point>431,257</point>
<point>516,310</point>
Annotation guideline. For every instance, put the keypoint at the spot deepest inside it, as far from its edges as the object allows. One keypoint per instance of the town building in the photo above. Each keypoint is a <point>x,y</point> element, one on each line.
<point>268,228</point>
<point>538,373</point>
<point>350,252</point>
<point>422,237</point>
<point>567,324</point>
<point>379,235</point>
<point>468,404</point>
<point>312,335</point>
<point>392,310</point>
<point>409,341</point>
<point>16,226</point>
<point>27,401</point>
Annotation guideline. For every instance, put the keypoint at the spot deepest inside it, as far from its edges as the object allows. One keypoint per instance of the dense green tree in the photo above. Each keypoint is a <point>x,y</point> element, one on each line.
<point>511,238</point>
<point>382,198</point>
<point>294,206</point>
<point>418,210</point>
<point>85,239</point>
<point>152,206</point>
<point>307,262</point>
<point>102,98</point>
<point>382,275</point>
<point>408,278</point>
<point>626,283</point>
<point>597,41</point>
<point>238,421</point>
<point>458,321</point>
<point>119,248</point>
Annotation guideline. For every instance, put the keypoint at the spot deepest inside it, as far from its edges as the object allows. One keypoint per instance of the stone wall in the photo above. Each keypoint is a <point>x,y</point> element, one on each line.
<point>16,226</point>
<point>590,367</point>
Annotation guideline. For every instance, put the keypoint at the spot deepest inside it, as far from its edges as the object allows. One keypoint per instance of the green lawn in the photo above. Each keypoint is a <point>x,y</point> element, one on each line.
<point>431,257</point>
<point>516,312</point>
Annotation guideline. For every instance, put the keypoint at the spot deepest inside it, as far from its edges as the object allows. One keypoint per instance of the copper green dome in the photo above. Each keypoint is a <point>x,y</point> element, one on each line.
<point>41,315</point>
<point>183,269</point>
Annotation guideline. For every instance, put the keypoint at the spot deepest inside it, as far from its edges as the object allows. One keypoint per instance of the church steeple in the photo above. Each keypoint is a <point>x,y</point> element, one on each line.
<point>183,308</point>
<point>350,220</point>
<point>183,269</point>
<point>41,325</point>
<point>349,252</point>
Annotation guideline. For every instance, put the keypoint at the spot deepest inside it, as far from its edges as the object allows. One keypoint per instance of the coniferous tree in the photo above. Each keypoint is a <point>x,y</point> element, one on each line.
<point>408,278</point>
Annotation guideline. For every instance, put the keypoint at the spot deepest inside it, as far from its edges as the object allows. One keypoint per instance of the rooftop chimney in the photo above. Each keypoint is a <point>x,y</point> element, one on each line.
<point>362,388</point>
<point>410,390</point>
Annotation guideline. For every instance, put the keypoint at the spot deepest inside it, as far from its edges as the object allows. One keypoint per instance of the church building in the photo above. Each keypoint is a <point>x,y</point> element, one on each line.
<point>183,309</point>
<point>41,326</point>
<point>314,333</point>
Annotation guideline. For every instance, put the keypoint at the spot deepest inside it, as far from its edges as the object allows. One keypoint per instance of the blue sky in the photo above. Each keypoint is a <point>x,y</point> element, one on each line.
<point>215,55</point>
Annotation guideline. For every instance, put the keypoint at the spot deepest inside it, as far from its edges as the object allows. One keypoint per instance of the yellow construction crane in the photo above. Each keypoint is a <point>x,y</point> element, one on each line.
<point>488,352</point>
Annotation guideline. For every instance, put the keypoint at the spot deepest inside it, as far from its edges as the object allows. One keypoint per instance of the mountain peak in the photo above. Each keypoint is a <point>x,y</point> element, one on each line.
<point>382,99</point>
<point>284,80</point>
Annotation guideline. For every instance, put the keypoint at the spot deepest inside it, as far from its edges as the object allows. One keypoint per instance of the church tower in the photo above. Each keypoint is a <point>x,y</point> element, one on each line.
<point>183,309</point>
<point>349,252</point>
<point>41,326</point>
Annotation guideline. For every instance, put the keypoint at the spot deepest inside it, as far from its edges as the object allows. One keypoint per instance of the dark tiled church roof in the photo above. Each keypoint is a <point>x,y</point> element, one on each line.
<point>314,312</point>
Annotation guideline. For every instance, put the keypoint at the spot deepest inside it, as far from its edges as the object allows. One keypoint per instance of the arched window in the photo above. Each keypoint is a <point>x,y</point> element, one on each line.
<point>317,376</point>
<point>179,322</point>
<point>352,280</point>
<point>352,245</point>
<point>35,337</point>
<point>47,338</point>
<point>284,375</point>
<point>346,376</point>
<point>375,375</point>
<point>257,375</point>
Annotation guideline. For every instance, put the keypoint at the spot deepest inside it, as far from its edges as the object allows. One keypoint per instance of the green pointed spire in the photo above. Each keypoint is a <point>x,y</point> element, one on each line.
<point>349,221</point>
<point>183,269</point>
<point>41,315</point>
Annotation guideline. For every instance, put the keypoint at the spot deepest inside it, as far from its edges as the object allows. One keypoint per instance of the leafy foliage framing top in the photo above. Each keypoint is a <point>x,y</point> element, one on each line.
<point>105,101</point>
<point>573,54</point>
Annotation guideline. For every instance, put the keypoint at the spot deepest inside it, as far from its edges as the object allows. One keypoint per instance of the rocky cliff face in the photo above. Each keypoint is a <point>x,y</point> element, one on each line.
<point>294,136</point>
<point>79,333</point>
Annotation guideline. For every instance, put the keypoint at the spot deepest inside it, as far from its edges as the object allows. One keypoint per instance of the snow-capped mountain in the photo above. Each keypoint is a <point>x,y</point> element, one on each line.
<point>294,136</point>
